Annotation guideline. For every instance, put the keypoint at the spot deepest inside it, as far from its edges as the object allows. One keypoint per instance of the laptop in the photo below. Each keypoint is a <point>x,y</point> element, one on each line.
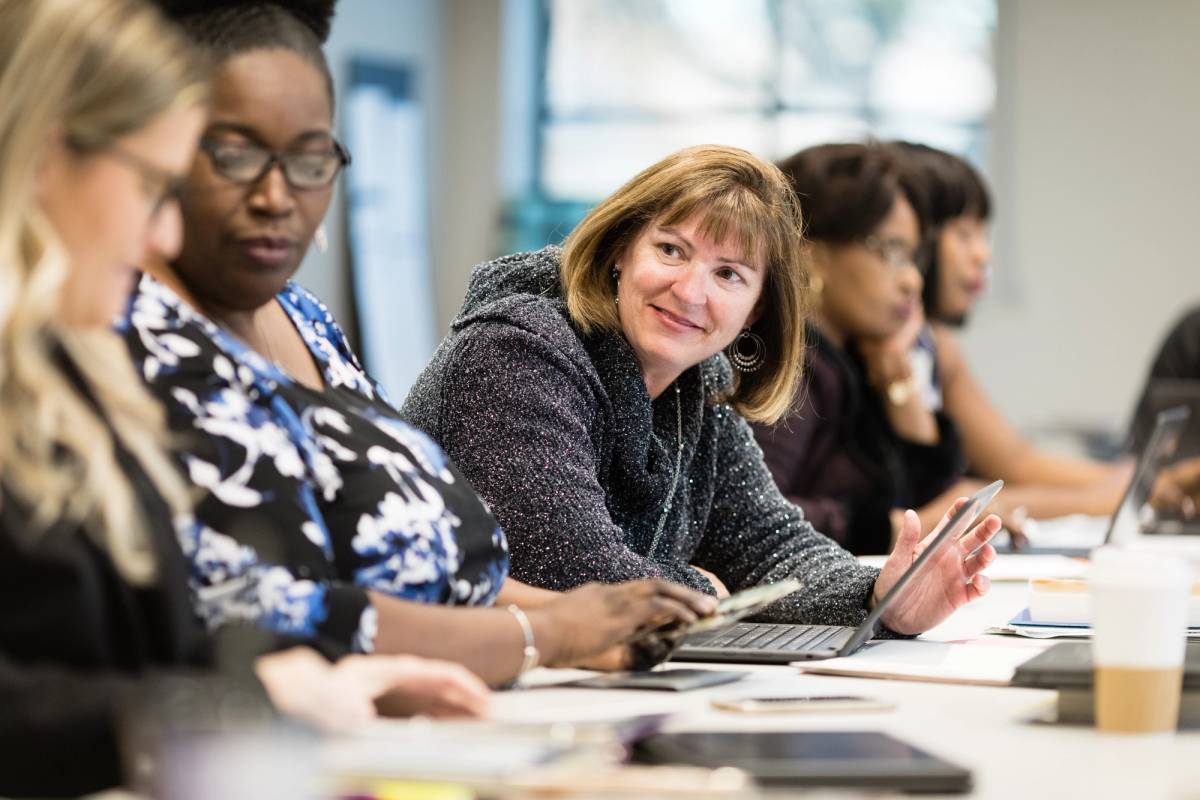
<point>1164,394</point>
<point>1132,518</point>
<point>768,643</point>
<point>1167,394</point>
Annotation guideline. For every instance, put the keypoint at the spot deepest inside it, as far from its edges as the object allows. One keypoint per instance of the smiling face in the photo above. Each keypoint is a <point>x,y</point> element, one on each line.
<point>963,254</point>
<point>683,298</point>
<point>112,209</point>
<point>872,288</point>
<point>243,241</point>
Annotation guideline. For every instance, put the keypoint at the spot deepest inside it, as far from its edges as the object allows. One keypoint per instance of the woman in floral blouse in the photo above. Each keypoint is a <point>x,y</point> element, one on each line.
<point>322,513</point>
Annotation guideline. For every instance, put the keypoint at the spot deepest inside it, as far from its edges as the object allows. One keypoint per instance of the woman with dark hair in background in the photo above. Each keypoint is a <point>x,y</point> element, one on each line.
<point>861,446</point>
<point>324,515</point>
<point>1038,484</point>
<point>1177,359</point>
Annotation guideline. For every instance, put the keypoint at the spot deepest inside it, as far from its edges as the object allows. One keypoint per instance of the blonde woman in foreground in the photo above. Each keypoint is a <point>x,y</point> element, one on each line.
<point>102,105</point>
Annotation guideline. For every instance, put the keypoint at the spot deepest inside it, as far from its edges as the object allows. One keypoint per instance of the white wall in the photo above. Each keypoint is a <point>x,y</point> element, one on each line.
<point>466,200</point>
<point>1098,180</point>
<point>454,45</point>
<point>404,31</point>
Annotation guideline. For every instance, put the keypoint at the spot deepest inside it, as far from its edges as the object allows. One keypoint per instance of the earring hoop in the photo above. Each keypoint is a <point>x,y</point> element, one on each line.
<point>747,352</point>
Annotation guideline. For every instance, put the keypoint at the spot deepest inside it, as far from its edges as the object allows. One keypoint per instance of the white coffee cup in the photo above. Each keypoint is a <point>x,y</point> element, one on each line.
<point>1139,634</point>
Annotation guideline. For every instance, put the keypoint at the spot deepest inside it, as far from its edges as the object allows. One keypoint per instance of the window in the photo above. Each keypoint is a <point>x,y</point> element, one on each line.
<point>622,83</point>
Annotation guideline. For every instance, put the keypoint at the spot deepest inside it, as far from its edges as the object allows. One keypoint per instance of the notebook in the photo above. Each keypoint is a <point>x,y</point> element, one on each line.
<point>1069,665</point>
<point>861,759</point>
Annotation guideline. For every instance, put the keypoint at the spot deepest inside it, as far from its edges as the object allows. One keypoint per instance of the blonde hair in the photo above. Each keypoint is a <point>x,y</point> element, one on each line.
<point>736,196</point>
<point>86,72</point>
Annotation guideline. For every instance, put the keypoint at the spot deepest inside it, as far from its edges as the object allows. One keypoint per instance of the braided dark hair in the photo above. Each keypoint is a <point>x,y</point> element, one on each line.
<point>226,28</point>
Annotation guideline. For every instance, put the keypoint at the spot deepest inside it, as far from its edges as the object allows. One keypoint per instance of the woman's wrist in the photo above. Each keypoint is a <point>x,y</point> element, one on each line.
<point>530,657</point>
<point>547,636</point>
<point>284,674</point>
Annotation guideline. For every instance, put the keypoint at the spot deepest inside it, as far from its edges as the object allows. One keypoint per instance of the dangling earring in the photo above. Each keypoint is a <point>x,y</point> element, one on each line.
<point>616,276</point>
<point>321,239</point>
<point>742,360</point>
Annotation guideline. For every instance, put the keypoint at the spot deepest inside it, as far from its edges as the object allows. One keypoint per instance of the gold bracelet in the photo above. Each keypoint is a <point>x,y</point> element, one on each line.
<point>530,655</point>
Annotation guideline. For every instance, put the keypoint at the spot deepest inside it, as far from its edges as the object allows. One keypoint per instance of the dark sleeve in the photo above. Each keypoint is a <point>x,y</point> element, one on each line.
<point>933,468</point>
<point>756,536</point>
<point>1178,358</point>
<point>789,449</point>
<point>232,583</point>
<point>60,731</point>
<point>516,416</point>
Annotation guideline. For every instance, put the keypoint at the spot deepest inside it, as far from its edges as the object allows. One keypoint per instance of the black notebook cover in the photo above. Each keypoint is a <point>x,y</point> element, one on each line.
<point>1068,665</point>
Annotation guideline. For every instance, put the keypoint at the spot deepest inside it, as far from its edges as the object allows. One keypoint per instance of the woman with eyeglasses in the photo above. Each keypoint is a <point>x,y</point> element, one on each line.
<point>862,445</point>
<point>103,104</point>
<point>324,515</point>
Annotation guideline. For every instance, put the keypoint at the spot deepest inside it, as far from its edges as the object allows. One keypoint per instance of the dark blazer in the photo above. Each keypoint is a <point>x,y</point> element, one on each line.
<point>80,647</point>
<point>837,457</point>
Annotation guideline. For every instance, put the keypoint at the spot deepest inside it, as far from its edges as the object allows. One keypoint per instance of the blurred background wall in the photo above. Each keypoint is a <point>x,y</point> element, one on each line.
<point>1090,111</point>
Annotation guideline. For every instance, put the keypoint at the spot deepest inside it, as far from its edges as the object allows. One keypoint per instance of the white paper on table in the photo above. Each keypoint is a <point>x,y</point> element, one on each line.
<point>1023,567</point>
<point>1017,566</point>
<point>988,662</point>
<point>1040,632</point>
<point>433,758</point>
<point>1075,531</point>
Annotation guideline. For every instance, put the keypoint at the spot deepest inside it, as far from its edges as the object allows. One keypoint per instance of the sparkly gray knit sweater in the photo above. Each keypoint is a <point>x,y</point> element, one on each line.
<point>558,434</point>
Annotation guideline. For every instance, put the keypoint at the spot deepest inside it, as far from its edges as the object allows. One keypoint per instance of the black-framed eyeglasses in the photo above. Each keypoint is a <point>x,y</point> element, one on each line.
<point>161,185</point>
<point>896,253</point>
<point>249,163</point>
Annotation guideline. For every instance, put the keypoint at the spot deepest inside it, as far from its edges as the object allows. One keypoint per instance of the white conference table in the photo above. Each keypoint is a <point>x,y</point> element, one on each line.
<point>983,728</point>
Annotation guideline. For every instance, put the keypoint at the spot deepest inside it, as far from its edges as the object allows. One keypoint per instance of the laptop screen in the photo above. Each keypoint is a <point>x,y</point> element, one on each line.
<point>1161,395</point>
<point>954,529</point>
<point>1133,517</point>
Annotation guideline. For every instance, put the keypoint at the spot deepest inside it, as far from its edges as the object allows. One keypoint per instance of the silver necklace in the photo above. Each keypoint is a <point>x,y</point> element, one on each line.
<point>267,352</point>
<point>662,520</point>
<point>267,342</point>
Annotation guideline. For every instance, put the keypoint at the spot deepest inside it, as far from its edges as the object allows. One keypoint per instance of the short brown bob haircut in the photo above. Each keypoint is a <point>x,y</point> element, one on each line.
<point>738,198</point>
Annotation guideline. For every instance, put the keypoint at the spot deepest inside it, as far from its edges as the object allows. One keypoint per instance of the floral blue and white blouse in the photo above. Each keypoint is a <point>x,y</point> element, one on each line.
<point>309,498</point>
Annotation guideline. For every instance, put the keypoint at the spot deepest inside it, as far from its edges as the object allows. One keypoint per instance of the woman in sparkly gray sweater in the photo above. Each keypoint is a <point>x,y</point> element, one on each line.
<point>586,396</point>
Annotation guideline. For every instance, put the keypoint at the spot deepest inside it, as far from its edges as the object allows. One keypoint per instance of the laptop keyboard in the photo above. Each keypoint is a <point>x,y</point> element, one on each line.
<point>785,638</point>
